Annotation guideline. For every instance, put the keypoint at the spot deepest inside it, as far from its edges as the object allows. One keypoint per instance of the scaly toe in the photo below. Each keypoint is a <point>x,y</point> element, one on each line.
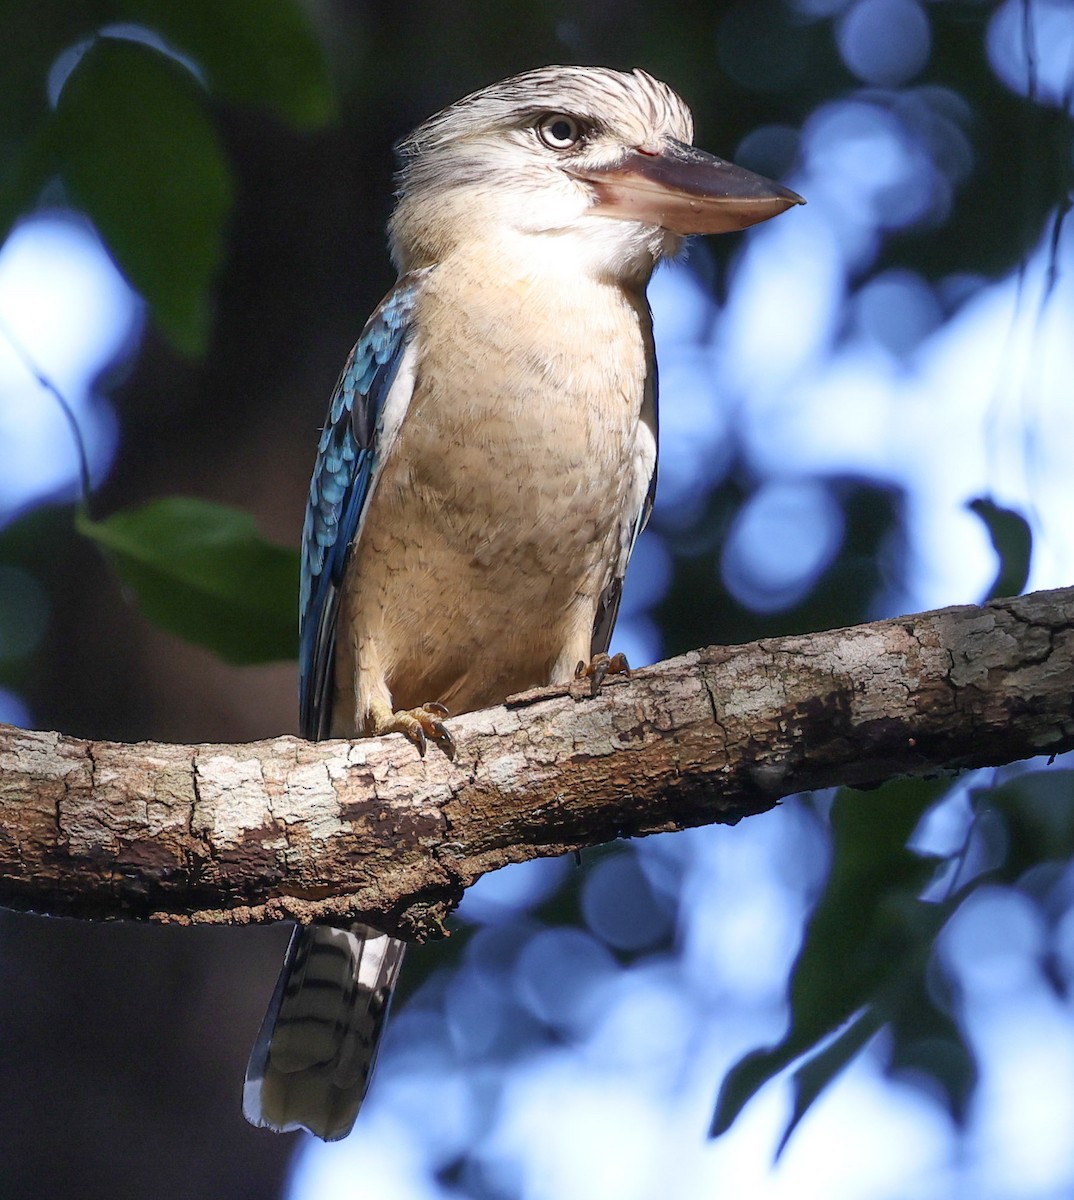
<point>435,728</point>
<point>418,725</point>
<point>600,666</point>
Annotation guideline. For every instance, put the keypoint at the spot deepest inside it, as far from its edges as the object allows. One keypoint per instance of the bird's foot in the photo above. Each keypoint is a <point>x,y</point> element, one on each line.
<point>600,666</point>
<point>417,725</point>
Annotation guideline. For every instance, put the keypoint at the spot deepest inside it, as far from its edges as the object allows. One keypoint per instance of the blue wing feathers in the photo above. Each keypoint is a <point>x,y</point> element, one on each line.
<point>339,491</point>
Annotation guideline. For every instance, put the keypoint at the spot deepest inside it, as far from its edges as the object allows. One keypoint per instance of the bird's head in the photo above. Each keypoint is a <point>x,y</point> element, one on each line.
<point>595,161</point>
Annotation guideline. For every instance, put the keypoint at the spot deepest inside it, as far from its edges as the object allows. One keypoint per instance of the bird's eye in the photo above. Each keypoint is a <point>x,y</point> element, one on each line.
<point>559,132</point>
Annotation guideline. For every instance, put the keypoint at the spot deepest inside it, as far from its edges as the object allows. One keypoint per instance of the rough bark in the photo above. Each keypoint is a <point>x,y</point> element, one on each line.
<point>337,830</point>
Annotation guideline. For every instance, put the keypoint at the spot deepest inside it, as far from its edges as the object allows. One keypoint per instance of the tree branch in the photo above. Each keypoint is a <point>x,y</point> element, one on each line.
<point>339,830</point>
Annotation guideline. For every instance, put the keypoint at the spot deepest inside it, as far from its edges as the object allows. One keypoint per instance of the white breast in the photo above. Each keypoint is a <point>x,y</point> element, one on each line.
<point>512,486</point>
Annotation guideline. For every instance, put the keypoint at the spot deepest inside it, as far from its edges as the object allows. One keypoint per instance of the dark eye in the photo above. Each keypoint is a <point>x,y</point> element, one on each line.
<point>558,131</point>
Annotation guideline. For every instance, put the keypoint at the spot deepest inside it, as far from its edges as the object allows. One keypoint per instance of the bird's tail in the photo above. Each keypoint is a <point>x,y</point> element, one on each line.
<point>314,1056</point>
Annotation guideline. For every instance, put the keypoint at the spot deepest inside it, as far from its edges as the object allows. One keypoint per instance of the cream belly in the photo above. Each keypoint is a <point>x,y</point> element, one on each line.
<point>498,518</point>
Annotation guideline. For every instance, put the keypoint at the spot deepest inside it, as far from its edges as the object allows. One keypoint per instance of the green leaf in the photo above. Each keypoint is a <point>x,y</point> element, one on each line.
<point>1012,540</point>
<point>202,571</point>
<point>745,1080</point>
<point>814,1076</point>
<point>927,1046</point>
<point>866,927</point>
<point>141,158</point>
<point>869,909</point>
<point>252,52</point>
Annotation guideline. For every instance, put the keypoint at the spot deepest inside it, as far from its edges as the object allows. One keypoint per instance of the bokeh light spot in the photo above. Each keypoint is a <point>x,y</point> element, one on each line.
<point>502,894</point>
<point>780,541</point>
<point>619,906</point>
<point>13,710</point>
<point>64,307</point>
<point>884,42</point>
<point>1038,66</point>
<point>897,309</point>
<point>769,150</point>
<point>560,978</point>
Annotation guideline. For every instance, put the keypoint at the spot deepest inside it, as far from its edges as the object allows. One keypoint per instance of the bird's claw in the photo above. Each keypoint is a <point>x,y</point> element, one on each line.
<point>418,725</point>
<point>600,666</point>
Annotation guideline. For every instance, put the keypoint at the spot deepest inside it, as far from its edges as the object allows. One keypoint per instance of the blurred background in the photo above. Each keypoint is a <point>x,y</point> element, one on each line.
<point>837,387</point>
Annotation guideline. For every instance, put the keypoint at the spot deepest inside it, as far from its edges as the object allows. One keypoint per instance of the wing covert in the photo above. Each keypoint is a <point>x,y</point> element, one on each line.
<point>351,446</point>
<point>643,493</point>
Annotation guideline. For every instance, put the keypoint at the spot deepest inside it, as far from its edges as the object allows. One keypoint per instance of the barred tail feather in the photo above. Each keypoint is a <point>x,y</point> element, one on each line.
<point>314,1056</point>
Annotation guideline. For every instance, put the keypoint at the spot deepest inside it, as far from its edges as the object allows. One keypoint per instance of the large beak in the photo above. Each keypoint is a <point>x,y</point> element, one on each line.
<point>686,191</point>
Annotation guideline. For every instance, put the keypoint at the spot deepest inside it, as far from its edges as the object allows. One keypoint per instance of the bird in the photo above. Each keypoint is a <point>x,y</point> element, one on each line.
<point>487,464</point>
